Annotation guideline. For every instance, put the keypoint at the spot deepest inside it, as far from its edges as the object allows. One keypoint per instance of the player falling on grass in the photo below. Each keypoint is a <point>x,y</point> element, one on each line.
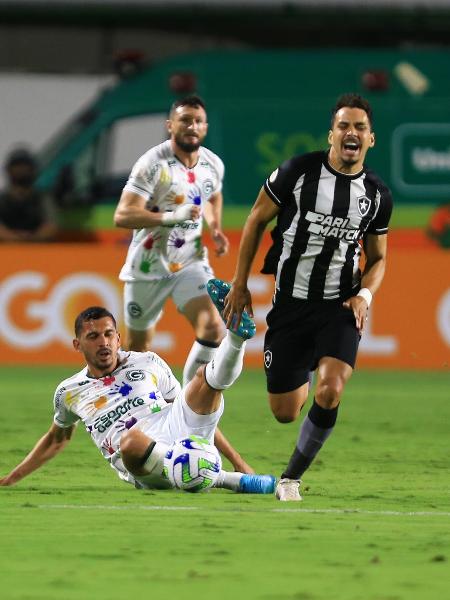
<point>134,409</point>
<point>326,204</point>
<point>171,189</point>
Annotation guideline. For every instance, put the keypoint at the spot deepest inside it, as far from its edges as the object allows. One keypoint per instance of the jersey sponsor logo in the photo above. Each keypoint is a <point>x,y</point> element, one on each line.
<point>187,225</point>
<point>363,205</point>
<point>329,226</point>
<point>104,422</point>
<point>154,173</point>
<point>134,310</point>
<point>267,358</point>
<point>58,396</point>
<point>136,375</point>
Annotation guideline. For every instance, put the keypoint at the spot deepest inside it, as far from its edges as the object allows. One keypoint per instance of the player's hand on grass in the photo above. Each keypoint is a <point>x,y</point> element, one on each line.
<point>238,299</point>
<point>360,310</point>
<point>8,480</point>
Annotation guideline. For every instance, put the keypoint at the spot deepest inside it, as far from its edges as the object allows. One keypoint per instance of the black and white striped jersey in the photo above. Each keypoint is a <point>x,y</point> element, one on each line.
<point>324,215</point>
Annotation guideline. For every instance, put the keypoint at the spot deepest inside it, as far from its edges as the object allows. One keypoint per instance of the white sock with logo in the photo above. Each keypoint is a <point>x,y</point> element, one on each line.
<point>201,353</point>
<point>226,365</point>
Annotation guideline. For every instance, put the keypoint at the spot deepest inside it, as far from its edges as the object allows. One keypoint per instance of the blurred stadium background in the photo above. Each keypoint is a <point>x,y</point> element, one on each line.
<point>85,85</point>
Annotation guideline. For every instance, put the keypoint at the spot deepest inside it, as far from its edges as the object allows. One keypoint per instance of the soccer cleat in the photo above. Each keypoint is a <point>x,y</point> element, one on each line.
<point>288,490</point>
<point>257,484</point>
<point>218,290</point>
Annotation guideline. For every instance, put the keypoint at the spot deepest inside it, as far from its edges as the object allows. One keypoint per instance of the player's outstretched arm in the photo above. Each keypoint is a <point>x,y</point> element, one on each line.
<point>239,298</point>
<point>47,447</point>
<point>230,453</point>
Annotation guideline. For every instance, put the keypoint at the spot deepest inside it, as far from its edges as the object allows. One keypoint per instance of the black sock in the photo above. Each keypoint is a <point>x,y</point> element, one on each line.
<point>316,428</point>
<point>207,343</point>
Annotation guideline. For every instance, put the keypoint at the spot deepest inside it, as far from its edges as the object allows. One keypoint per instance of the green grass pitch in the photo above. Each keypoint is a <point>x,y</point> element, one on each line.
<point>374,524</point>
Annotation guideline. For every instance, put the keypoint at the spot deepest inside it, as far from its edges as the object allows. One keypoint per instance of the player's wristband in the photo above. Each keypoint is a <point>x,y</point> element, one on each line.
<point>167,218</point>
<point>179,215</point>
<point>366,294</point>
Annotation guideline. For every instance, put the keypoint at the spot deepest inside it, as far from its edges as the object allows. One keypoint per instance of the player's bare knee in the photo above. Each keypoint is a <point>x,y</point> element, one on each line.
<point>285,417</point>
<point>285,410</point>
<point>329,391</point>
<point>212,331</point>
<point>131,444</point>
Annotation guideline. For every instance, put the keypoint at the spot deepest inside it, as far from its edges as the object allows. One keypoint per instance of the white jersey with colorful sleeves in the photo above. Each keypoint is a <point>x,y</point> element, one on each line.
<point>139,393</point>
<point>166,184</point>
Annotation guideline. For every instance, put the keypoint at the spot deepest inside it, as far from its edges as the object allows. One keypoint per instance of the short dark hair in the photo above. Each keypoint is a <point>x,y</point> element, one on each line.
<point>93,313</point>
<point>20,156</point>
<point>352,100</point>
<point>192,100</point>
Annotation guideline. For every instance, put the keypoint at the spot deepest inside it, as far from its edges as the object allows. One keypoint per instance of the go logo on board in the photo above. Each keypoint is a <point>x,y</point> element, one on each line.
<point>50,313</point>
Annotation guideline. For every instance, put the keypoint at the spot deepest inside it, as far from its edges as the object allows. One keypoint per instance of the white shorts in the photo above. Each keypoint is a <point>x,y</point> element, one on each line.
<point>180,422</point>
<point>144,300</point>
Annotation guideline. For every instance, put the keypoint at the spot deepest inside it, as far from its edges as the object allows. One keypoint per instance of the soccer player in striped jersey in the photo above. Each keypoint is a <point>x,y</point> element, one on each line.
<point>329,208</point>
<point>133,408</point>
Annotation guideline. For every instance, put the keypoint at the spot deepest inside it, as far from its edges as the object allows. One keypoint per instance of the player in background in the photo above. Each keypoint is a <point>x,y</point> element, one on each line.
<point>171,189</point>
<point>134,409</point>
<point>327,205</point>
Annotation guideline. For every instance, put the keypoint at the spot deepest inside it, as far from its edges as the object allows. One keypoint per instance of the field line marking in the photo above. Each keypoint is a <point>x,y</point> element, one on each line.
<point>334,511</point>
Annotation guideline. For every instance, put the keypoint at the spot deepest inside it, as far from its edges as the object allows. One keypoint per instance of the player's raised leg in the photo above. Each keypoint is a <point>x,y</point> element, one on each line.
<point>208,329</point>
<point>204,392</point>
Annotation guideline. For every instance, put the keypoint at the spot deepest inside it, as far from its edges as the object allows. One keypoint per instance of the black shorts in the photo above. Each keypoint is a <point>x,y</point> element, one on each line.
<point>300,333</point>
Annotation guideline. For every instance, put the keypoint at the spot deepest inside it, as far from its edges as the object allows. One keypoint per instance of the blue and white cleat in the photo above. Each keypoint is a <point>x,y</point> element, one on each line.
<point>218,290</point>
<point>257,484</point>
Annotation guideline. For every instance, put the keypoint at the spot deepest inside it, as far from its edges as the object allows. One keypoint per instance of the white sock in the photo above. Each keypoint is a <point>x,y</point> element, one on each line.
<point>198,355</point>
<point>228,480</point>
<point>155,462</point>
<point>153,467</point>
<point>226,365</point>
